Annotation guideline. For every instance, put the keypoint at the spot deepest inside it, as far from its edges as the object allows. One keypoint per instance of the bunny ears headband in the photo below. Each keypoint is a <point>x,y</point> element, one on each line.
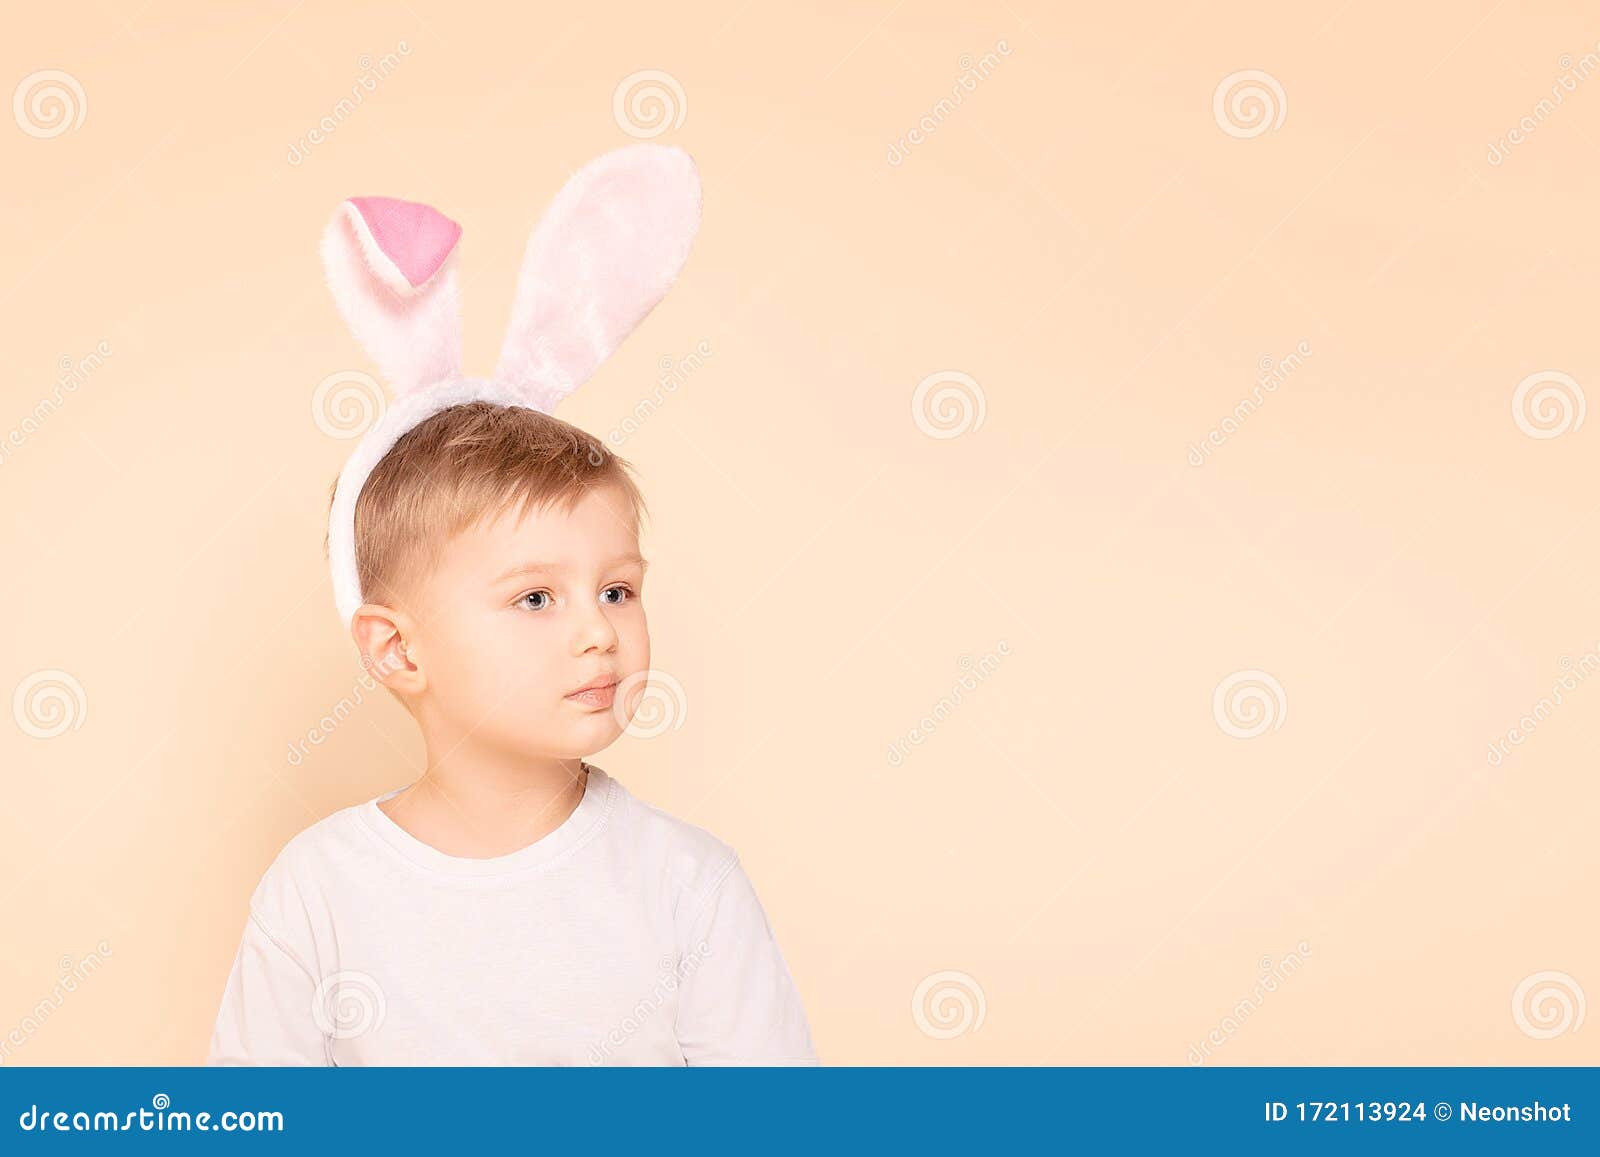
<point>603,255</point>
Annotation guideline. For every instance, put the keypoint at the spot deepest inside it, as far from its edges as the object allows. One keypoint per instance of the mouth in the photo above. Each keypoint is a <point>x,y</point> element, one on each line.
<point>596,693</point>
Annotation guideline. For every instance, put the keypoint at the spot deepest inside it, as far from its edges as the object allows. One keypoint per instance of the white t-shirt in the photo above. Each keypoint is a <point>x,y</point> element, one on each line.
<point>625,936</point>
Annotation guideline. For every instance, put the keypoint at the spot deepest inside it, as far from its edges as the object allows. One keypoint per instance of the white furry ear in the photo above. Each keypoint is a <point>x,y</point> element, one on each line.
<point>391,267</point>
<point>603,255</point>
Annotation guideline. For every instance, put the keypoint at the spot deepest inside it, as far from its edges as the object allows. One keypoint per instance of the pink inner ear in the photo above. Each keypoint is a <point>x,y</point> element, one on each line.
<point>416,237</point>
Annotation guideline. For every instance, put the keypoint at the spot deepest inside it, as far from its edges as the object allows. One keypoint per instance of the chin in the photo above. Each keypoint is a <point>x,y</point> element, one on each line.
<point>594,738</point>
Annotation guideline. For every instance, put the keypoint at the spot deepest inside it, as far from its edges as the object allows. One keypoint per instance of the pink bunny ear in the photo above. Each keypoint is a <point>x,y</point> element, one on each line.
<point>389,265</point>
<point>602,256</point>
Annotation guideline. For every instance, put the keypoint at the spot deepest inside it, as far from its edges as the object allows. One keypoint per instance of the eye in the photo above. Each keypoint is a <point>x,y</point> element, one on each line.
<point>523,601</point>
<point>619,589</point>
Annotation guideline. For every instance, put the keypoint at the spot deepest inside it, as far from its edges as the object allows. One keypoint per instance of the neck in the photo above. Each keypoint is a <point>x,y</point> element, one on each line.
<point>480,804</point>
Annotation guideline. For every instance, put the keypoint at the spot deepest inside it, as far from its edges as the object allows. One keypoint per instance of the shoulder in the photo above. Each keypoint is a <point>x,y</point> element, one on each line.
<point>298,879</point>
<point>693,858</point>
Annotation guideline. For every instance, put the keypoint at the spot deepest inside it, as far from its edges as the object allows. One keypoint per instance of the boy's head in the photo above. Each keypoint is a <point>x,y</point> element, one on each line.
<point>498,553</point>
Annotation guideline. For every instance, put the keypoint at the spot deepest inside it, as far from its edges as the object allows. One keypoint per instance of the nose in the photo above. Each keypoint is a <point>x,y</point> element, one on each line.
<point>594,631</point>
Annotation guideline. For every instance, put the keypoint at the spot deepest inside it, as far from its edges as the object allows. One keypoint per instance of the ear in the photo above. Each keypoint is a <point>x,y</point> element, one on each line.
<point>390,266</point>
<point>604,253</point>
<point>387,653</point>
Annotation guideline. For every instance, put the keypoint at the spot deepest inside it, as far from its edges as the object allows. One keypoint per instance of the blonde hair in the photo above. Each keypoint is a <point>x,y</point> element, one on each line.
<point>466,464</point>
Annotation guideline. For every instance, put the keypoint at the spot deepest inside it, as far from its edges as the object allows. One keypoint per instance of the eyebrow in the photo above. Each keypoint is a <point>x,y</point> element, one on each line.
<point>528,568</point>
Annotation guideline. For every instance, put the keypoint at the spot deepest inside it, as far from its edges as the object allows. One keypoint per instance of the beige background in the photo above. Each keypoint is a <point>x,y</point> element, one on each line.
<point>1086,840</point>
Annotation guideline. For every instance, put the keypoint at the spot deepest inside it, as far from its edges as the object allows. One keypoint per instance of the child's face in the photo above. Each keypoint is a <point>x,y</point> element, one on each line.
<point>503,646</point>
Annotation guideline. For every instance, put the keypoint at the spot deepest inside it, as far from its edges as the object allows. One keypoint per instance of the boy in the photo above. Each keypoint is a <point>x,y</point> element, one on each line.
<point>515,905</point>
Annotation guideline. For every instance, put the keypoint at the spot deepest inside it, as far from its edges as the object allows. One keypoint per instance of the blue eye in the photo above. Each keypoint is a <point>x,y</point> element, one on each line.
<point>523,601</point>
<point>624,591</point>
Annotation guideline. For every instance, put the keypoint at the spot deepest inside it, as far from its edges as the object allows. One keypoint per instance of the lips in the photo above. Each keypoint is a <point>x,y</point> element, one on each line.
<point>596,694</point>
<point>599,683</point>
<point>596,700</point>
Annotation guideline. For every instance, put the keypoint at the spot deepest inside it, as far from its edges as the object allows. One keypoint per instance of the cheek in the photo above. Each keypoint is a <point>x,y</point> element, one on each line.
<point>519,656</point>
<point>637,640</point>
<point>486,658</point>
<point>511,675</point>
